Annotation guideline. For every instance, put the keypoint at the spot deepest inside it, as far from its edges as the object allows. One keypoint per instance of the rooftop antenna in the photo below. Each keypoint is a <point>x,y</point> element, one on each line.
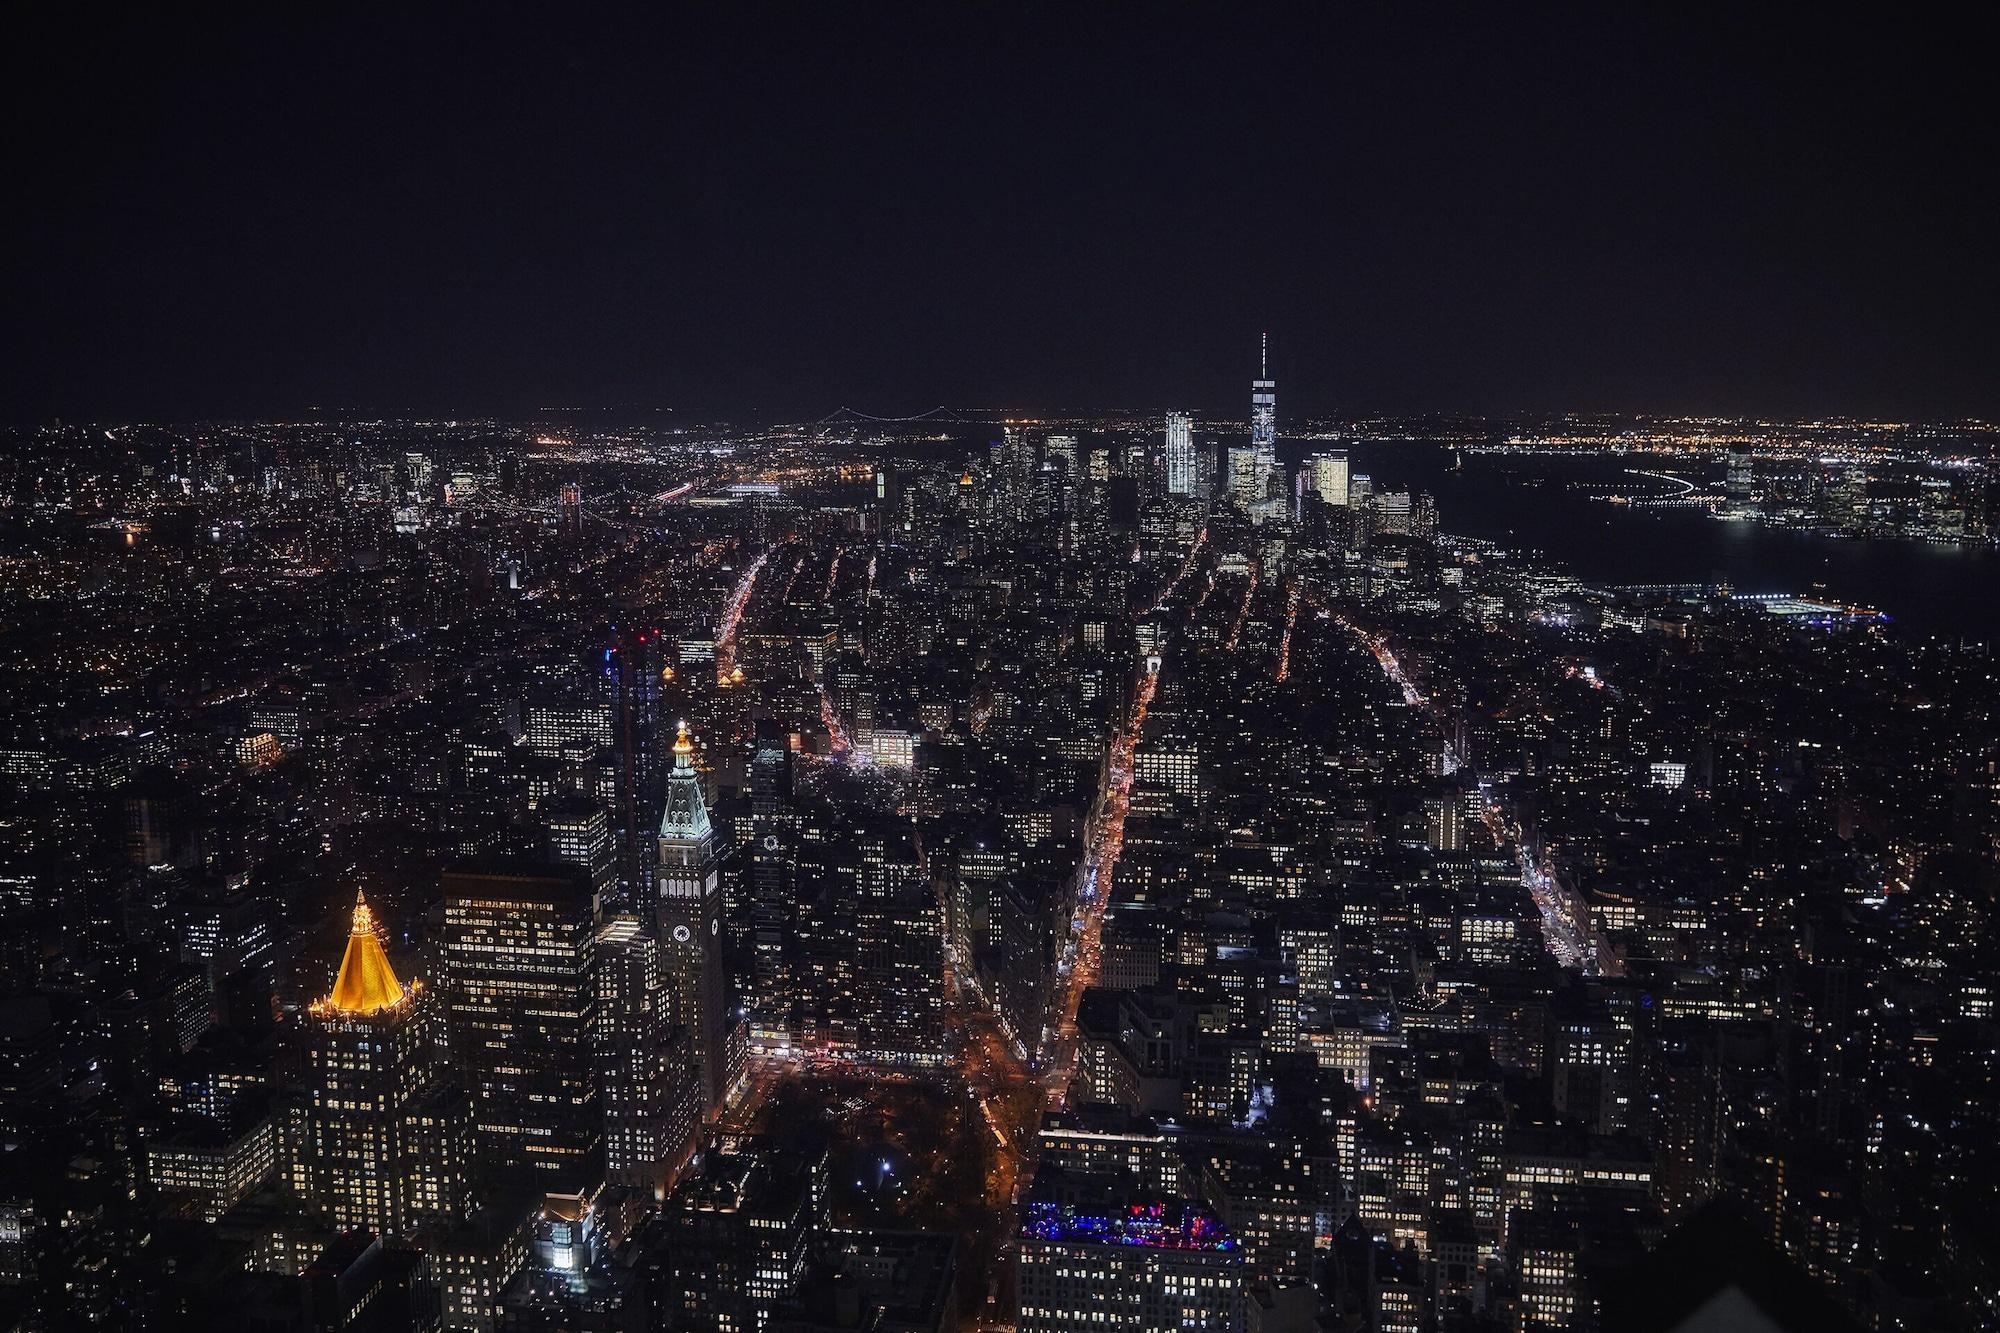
<point>1264,357</point>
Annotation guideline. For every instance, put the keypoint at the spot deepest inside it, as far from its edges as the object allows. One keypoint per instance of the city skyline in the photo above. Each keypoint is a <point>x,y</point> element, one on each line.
<point>998,669</point>
<point>996,873</point>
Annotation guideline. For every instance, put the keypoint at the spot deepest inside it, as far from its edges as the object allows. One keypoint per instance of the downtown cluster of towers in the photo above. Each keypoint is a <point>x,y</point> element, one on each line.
<point>1250,475</point>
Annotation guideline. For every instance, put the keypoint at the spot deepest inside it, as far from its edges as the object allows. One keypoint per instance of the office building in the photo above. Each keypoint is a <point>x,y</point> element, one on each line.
<point>1739,479</point>
<point>1245,476</point>
<point>732,1243</point>
<point>1149,1267</point>
<point>580,833</point>
<point>1326,474</point>
<point>370,1069</point>
<point>689,905</point>
<point>1180,454</point>
<point>521,1010</point>
<point>650,1087</point>
<point>1264,422</point>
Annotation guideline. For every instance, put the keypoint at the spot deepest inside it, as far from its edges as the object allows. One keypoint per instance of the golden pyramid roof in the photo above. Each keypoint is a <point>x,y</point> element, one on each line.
<point>367,984</point>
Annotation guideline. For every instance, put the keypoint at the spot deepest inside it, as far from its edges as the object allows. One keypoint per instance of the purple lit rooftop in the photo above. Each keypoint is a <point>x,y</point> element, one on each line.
<point>1157,1225</point>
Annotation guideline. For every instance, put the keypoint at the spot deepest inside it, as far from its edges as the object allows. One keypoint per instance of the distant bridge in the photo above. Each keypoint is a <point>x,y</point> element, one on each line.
<point>848,416</point>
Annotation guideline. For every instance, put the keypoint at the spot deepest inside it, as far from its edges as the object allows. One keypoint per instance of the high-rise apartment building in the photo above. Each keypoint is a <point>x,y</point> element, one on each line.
<point>1392,513</point>
<point>898,939</point>
<point>556,719</point>
<point>1444,821</point>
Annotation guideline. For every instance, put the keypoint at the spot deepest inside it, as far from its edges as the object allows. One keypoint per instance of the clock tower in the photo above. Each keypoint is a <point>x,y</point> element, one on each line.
<point>690,919</point>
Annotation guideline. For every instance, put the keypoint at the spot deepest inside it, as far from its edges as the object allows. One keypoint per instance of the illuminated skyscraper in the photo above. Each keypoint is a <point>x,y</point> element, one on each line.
<point>580,832</point>
<point>690,917</point>
<point>1244,480</point>
<point>773,892</point>
<point>1392,512</point>
<point>1264,420</point>
<point>1180,454</point>
<point>520,982</point>
<point>1740,479</point>
<point>1327,472</point>
<point>897,937</point>
<point>382,1149</point>
<point>648,1076</point>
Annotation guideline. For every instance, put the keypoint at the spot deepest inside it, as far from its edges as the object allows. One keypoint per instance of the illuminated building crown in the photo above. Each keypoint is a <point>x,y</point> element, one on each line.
<point>686,816</point>
<point>366,984</point>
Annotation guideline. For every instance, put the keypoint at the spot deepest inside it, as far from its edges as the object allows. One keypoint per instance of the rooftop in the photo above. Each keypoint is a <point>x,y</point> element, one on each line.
<point>366,984</point>
<point>1160,1224</point>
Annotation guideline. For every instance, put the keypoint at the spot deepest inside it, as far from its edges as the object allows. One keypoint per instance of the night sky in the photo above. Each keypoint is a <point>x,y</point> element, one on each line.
<point>740,210</point>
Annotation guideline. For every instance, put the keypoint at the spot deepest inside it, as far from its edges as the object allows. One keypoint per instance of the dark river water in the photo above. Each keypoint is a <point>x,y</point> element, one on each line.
<point>1542,502</point>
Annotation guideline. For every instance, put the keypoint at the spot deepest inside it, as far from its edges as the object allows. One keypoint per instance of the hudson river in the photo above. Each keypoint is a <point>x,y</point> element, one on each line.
<point>1543,502</point>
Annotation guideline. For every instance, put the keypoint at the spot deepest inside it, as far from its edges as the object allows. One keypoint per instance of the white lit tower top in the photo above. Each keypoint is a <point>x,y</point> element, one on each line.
<point>686,836</point>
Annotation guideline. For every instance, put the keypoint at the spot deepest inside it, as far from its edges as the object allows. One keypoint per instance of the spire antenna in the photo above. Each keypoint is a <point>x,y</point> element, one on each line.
<point>1264,357</point>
